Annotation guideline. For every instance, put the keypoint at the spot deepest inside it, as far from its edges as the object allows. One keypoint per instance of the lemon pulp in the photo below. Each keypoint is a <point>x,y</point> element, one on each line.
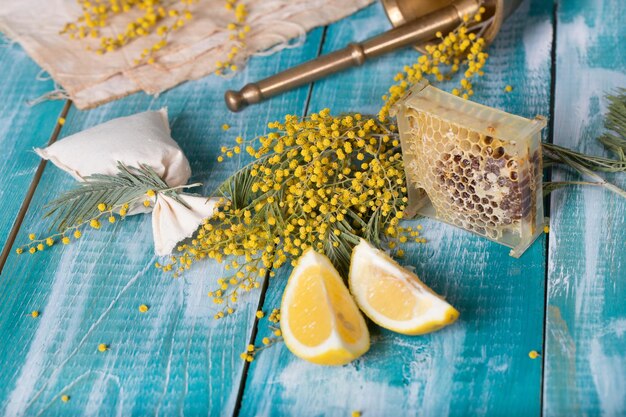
<point>394,297</point>
<point>320,321</point>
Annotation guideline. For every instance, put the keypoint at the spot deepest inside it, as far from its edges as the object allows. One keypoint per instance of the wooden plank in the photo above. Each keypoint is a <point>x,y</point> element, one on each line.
<point>22,127</point>
<point>480,365</point>
<point>585,364</point>
<point>174,359</point>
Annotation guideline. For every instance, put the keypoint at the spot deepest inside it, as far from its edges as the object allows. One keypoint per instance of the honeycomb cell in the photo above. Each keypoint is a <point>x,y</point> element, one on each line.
<point>470,167</point>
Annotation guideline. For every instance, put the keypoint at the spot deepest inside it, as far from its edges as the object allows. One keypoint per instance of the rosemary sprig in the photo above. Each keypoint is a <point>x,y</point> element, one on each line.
<point>555,154</point>
<point>128,186</point>
<point>614,140</point>
<point>548,187</point>
<point>615,121</point>
<point>99,196</point>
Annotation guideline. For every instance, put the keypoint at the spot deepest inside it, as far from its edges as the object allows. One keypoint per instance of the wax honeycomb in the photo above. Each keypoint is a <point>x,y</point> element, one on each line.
<point>472,166</point>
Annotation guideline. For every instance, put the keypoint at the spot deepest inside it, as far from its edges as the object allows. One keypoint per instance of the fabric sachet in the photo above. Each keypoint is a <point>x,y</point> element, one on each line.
<point>173,222</point>
<point>140,139</point>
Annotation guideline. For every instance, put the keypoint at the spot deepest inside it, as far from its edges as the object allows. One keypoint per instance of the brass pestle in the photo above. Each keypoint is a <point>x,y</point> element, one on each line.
<point>415,23</point>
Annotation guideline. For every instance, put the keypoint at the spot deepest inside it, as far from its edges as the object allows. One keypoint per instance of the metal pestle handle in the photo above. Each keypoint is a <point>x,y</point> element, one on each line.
<point>422,29</point>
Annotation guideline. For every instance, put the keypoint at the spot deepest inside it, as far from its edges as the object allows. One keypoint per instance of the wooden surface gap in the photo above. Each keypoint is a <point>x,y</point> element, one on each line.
<point>8,244</point>
<point>546,200</point>
<point>255,327</point>
<point>253,333</point>
<point>310,92</point>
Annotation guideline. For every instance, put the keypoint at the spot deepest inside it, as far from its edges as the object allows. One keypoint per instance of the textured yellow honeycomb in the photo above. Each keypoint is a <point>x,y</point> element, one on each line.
<point>474,181</point>
<point>472,166</point>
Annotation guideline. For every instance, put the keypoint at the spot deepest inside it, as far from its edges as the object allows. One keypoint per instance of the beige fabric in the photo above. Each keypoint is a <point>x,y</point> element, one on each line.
<point>172,222</point>
<point>192,52</point>
<point>143,138</point>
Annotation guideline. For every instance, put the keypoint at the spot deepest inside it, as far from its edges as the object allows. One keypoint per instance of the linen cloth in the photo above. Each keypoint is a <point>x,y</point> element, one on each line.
<point>192,51</point>
<point>140,139</point>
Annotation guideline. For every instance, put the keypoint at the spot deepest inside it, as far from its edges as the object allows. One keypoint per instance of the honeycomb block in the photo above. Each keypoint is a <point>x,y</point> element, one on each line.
<point>472,166</point>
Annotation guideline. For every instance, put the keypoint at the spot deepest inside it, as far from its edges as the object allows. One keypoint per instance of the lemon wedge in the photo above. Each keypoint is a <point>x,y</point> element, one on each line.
<point>394,297</point>
<point>320,321</point>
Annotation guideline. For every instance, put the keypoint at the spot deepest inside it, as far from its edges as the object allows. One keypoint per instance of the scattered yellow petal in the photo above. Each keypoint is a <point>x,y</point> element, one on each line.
<point>35,314</point>
<point>103,347</point>
<point>508,88</point>
<point>225,126</point>
<point>61,121</point>
<point>546,229</point>
<point>533,354</point>
<point>65,398</point>
<point>143,308</point>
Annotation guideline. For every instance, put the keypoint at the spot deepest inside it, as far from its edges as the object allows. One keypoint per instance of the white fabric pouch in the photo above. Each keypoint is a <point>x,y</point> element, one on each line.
<point>143,138</point>
<point>140,139</point>
<point>173,222</point>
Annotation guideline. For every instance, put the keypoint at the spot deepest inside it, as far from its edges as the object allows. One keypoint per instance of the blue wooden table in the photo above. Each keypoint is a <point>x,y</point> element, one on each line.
<point>565,298</point>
